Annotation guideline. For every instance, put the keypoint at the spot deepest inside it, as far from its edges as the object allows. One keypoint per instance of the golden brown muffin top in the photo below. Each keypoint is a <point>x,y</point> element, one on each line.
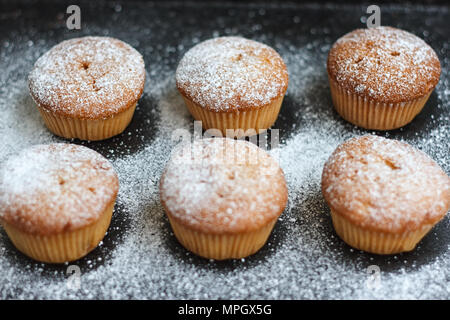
<point>223,185</point>
<point>384,64</point>
<point>49,189</point>
<point>88,78</point>
<point>232,73</point>
<point>385,185</point>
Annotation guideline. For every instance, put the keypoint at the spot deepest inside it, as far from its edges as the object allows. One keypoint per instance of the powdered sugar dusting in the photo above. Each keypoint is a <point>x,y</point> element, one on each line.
<point>385,64</point>
<point>49,188</point>
<point>140,258</point>
<point>90,77</point>
<point>232,73</point>
<point>223,185</point>
<point>385,185</point>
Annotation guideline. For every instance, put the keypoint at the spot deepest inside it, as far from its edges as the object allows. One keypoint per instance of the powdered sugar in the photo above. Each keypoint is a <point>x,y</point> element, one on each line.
<point>232,73</point>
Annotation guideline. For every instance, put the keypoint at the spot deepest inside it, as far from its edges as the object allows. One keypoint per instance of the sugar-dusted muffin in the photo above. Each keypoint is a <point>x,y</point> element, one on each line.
<point>233,83</point>
<point>56,201</point>
<point>222,197</point>
<point>381,78</point>
<point>88,87</point>
<point>384,195</point>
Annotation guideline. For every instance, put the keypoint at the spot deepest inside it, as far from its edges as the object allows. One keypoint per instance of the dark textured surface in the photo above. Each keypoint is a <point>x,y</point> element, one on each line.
<point>162,32</point>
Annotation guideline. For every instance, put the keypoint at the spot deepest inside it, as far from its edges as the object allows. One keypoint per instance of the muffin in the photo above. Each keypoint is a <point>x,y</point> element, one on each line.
<point>222,197</point>
<point>384,195</point>
<point>56,201</point>
<point>380,78</point>
<point>233,83</point>
<point>87,88</point>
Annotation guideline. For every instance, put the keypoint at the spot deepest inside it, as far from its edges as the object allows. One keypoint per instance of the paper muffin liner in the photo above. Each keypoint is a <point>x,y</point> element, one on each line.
<point>248,122</point>
<point>370,114</point>
<point>87,129</point>
<point>61,247</point>
<point>221,246</point>
<point>375,241</point>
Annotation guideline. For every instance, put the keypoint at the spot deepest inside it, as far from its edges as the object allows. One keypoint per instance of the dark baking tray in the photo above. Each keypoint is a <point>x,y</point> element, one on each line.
<point>152,27</point>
